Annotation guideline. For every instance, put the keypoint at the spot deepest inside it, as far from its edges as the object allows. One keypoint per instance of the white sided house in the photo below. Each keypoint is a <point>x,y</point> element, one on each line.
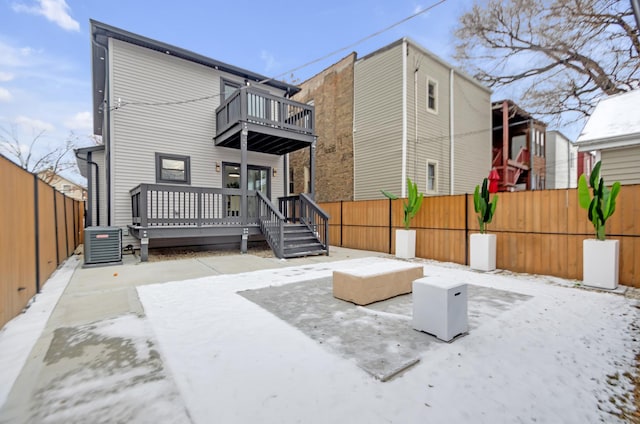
<point>613,133</point>
<point>194,150</point>
<point>561,161</point>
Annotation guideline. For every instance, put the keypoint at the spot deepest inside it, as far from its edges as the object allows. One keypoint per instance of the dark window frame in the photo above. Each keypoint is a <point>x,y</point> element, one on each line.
<point>249,168</point>
<point>187,168</point>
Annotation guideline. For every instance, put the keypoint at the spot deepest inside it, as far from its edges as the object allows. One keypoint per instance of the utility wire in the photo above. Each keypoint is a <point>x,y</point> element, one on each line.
<point>362,40</point>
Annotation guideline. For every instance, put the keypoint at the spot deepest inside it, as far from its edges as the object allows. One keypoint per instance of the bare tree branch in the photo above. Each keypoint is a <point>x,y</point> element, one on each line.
<point>562,55</point>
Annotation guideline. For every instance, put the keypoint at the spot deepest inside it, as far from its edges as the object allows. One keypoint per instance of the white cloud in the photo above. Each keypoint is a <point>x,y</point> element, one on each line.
<point>5,95</point>
<point>270,62</point>
<point>81,121</point>
<point>33,124</point>
<point>56,11</point>
<point>6,76</point>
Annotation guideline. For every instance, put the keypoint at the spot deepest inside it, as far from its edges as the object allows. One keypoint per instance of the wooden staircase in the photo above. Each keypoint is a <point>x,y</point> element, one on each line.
<point>299,241</point>
<point>297,228</point>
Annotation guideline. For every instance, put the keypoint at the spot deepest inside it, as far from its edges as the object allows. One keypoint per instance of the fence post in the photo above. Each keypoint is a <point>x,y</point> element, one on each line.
<point>66,225</point>
<point>37,230</point>
<point>341,223</point>
<point>390,226</point>
<point>466,229</point>
<point>55,225</point>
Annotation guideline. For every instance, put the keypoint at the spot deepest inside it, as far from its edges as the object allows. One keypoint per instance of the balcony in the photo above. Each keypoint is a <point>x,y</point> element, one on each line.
<point>274,124</point>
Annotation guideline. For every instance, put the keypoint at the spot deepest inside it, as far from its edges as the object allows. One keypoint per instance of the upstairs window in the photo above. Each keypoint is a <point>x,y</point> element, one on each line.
<point>173,169</point>
<point>228,88</point>
<point>432,95</point>
<point>432,177</point>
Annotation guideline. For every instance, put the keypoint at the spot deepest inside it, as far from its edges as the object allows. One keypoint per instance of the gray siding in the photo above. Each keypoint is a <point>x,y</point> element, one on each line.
<point>472,134</point>
<point>377,124</point>
<point>621,165</point>
<point>431,142</point>
<point>138,131</point>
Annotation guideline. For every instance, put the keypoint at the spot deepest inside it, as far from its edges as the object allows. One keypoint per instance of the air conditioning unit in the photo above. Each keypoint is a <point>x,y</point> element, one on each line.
<point>102,245</point>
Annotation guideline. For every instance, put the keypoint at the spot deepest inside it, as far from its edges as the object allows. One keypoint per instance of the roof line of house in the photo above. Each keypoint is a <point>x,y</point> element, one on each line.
<point>432,55</point>
<point>101,32</point>
<point>617,141</point>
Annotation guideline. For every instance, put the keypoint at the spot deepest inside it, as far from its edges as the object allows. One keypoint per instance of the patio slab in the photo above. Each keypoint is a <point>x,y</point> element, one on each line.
<point>379,337</point>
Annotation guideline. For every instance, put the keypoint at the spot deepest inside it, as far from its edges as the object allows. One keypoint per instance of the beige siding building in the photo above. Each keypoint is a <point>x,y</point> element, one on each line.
<point>413,116</point>
<point>613,133</point>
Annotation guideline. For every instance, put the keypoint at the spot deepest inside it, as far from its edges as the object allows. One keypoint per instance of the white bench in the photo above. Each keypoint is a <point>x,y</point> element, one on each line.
<point>364,286</point>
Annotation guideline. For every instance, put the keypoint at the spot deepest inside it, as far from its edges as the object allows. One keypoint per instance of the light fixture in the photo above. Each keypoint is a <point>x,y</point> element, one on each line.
<point>275,171</point>
<point>217,166</point>
<point>234,175</point>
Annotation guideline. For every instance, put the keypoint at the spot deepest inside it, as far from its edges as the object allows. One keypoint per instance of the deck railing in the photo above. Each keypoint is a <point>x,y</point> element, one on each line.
<point>304,210</point>
<point>249,104</point>
<point>272,224</point>
<point>168,205</point>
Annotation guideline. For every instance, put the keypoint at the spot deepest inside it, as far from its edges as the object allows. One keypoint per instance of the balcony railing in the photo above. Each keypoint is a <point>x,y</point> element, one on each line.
<point>155,205</point>
<point>256,106</point>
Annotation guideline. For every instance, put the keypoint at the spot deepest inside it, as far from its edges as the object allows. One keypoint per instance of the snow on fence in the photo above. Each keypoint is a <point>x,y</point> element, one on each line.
<point>41,228</point>
<point>539,232</point>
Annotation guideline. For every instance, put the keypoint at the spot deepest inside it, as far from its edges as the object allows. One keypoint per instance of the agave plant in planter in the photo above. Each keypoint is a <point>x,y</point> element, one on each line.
<point>483,246</point>
<point>406,239</point>
<point>600,256</point>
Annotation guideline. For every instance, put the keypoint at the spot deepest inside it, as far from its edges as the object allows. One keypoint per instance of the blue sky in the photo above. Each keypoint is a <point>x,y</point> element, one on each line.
<point>45,68</point>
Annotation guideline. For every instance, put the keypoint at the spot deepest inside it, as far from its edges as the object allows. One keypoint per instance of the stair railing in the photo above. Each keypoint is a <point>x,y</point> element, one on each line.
<point>272,224</point>
<point>315,219</point>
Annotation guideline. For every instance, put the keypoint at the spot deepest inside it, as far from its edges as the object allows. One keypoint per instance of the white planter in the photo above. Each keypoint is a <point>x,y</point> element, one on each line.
<point>600,260</point>
<point>482,252</point>
<point>406,244</point>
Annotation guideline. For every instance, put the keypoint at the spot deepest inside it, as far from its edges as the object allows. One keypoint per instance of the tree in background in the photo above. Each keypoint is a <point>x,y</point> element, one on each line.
<point>34,156</point>
<point>562,54</point>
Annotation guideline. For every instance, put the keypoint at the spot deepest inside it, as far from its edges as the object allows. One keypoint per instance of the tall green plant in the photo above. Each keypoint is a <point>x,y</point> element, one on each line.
<point>484,207</point>
<point>411,205</point>
<point>603,203</point>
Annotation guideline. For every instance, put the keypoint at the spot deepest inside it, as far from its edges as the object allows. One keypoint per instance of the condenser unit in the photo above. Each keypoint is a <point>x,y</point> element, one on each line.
<point>102,245</point>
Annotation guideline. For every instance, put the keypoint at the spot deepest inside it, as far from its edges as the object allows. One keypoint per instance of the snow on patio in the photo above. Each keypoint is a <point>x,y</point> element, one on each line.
<point>564,355</point>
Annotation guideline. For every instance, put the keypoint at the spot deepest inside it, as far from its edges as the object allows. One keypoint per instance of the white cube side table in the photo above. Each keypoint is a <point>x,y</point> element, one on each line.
<point>440,307</point>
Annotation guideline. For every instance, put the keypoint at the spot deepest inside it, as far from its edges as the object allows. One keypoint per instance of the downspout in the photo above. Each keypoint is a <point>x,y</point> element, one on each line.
<point>451,129</point>
<point>89,221</point>
<point>106,135</point>
<point>404,118</point>
<point>415,124</point>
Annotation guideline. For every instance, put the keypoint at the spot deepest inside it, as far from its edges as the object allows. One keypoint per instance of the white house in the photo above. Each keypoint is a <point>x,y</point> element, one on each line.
<point>562,161</point>
<point>613,133</point>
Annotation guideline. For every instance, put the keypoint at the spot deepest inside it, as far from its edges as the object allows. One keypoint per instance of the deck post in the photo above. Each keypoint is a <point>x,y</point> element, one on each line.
<point>243,185</point>
<point>144,247</point>
<point>312,169</point>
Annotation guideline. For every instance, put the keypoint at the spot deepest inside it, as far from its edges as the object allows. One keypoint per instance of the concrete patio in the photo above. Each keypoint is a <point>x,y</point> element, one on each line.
<point>122,344</point>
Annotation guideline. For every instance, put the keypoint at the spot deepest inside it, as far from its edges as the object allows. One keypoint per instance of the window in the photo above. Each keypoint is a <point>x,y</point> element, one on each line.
<point>228,87</point>
<point>432,95</point>
<point>172,169</point>
<point>432,177</point>
<point>66,188</point>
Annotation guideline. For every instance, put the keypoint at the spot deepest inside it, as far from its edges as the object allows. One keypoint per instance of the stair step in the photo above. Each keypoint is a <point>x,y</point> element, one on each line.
<point>305,253</point>
<point>302,248</point>
<point>303,237</point>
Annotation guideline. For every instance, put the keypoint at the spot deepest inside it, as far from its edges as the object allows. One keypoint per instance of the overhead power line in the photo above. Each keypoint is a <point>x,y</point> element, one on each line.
<point>352,45</point>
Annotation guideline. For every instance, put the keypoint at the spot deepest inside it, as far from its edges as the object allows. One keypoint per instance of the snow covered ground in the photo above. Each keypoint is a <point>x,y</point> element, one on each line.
<point>564,355</point>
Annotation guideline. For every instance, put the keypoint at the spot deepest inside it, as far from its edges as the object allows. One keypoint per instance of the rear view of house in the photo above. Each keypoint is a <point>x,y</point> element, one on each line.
<point>193,150</point>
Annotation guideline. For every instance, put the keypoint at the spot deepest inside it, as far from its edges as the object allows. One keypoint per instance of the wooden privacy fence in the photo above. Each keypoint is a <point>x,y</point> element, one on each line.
<point>538,232</point>
<point>40,228</point>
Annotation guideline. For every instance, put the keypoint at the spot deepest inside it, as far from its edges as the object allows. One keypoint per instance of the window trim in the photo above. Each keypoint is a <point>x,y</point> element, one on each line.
<point>435,177</point>
<point>433,81</point>
<point>187,168</point>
